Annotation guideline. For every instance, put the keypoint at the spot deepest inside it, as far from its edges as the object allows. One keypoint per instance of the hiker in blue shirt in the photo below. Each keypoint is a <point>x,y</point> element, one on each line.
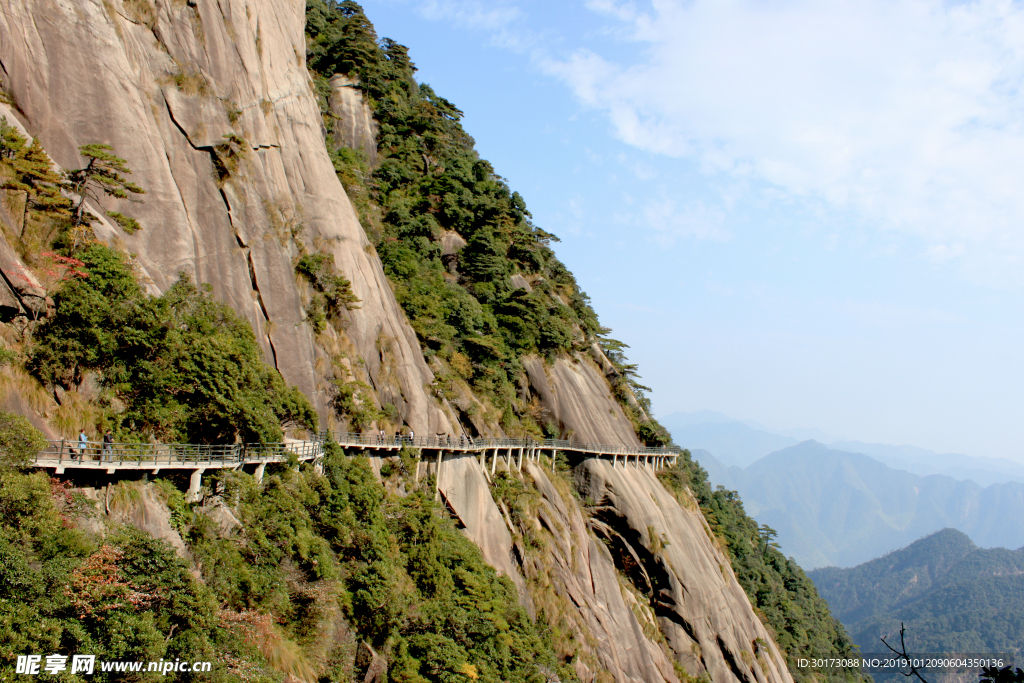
<point>83,443</point>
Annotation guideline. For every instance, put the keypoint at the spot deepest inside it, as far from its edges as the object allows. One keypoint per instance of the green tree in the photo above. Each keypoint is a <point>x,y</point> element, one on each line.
<point>33,174</point>
<point>11,141</point>
<point>20,442</point>
<point>102,175</point>
<point>187,367</point>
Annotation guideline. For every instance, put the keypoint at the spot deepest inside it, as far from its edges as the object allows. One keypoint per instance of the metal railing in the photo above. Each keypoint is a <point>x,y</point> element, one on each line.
<point>70,453</point>
<point>65,452</point>
<point>466,443</point>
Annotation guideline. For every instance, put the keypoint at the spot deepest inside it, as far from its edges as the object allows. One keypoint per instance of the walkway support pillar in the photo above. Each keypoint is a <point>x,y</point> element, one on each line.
<point>260,469</point>
<point>195,484</point>
<point>437,476</point>
<point>494,462</point>
<point>554,457</point>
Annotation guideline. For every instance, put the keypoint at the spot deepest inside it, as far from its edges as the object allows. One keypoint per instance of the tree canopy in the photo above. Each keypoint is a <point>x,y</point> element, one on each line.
<point>185,366</point>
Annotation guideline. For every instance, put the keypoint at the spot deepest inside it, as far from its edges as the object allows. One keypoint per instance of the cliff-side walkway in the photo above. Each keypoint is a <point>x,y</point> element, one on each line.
<point>66,455</point>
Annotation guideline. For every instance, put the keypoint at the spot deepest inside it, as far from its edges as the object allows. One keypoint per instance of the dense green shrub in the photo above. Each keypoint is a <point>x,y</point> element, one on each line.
<point>19,440</point>
<point>406,579</point>
<point>333,291</point>
<point>185,366</point>
<point>127,596</point>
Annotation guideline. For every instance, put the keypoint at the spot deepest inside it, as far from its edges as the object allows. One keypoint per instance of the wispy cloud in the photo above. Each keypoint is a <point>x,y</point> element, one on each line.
<point>473,14</point>
<point>909,113</point>
<point>669,221</point>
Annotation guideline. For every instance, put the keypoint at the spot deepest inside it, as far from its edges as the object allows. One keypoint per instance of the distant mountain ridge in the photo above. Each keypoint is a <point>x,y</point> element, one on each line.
<point>742,442</point>
<point>832,508</point>
<point>952,596</point>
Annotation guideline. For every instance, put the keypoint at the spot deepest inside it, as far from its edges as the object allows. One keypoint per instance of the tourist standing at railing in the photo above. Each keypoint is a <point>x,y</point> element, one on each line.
<point>108,445</point>
<point>412,437</point>
<point>83,443</point>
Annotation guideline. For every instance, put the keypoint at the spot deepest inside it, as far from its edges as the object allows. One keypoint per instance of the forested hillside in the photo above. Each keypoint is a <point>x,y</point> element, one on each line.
<point>952,596</point>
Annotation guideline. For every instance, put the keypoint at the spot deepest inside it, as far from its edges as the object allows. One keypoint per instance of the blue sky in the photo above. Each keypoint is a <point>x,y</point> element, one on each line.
<point>806,213</point>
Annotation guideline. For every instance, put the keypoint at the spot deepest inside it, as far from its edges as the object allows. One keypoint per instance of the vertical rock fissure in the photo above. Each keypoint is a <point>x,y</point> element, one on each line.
<point>731,661</point>
<point>263,307</point>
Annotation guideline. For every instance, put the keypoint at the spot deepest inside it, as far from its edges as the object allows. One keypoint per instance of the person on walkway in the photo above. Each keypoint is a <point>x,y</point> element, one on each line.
<point>412,436</point>
<point>108,445</point>
<point>83,443</point>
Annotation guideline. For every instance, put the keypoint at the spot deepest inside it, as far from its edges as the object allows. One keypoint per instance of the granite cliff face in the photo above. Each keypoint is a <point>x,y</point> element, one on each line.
<point>211,106</point>
<point>638,577</point>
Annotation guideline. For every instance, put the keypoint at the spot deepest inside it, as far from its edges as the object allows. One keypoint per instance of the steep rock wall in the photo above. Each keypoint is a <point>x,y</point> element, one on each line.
<point>355,127</point>
<point>703,612</point>
<point>210,104</point>
<point>674,599</point>
<point>578,399</point>
<point>464,487</point>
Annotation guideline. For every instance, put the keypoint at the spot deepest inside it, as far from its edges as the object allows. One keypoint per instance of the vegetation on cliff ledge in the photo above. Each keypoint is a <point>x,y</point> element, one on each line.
<point>318,565</point>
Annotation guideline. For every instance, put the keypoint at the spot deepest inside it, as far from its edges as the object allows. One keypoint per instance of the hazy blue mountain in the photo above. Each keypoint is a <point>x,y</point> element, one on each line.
<point>742,442</point>
<point>984,471</point>
<point>836,508</point>
<point>719,474</point>
<point>952,596</point>
<point>731,442</point>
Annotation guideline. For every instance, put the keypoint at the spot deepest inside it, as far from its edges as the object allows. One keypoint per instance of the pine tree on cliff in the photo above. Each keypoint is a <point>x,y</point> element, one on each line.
<point>103,176</point>
<point>33,174</point>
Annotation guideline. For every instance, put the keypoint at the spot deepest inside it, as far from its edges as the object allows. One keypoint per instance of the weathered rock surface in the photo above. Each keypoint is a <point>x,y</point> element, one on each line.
<point>138,505</point>
<point>676,598</point>
<point>579,401</point>
<point>354,128</point>
<point>577,570</point>
<point>221,515</point>
<point>701,608</point>
<point>451,243</point>
<point>211,106</point>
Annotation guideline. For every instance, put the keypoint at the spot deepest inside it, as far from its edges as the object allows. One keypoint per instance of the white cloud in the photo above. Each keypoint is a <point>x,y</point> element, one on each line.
<point>909,113</point>
<point>669,221</point>
<point>472,14</point>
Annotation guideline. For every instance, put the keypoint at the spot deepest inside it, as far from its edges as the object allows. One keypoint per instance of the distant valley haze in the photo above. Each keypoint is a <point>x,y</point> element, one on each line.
<point>847,502</point>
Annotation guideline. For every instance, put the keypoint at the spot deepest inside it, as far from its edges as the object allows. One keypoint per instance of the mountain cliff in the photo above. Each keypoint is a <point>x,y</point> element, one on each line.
<point>320,236</point>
